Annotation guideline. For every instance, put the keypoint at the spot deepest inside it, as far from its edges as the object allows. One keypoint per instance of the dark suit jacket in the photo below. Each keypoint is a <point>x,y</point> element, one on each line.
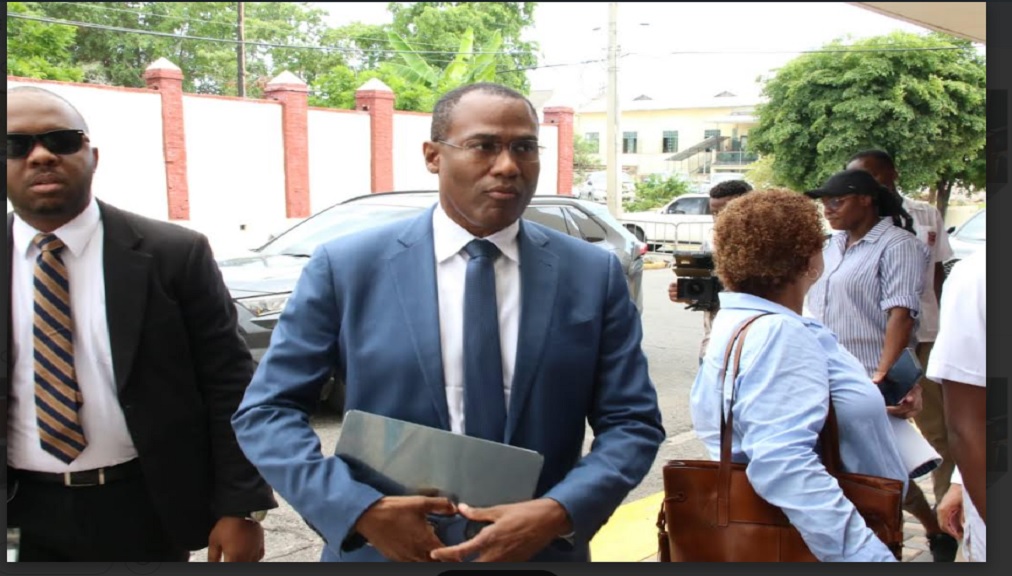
<point>181,369</point>
<point>366,307</point>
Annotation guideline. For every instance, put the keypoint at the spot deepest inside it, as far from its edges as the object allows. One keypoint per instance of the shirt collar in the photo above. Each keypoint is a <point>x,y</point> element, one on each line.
<point>743,301</point>
<point>449,238</point>
<point>873,235</point>
<point>75,234</point>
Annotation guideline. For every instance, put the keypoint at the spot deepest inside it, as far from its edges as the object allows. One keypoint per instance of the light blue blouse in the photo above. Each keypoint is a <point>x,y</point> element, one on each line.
<point>789,366</point>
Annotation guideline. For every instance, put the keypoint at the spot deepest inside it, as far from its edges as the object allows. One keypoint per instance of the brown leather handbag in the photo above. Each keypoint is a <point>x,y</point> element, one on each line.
<point>711,513</point>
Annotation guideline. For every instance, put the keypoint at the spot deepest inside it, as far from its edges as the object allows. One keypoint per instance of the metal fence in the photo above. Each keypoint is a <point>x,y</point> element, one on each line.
<point>667,237</point>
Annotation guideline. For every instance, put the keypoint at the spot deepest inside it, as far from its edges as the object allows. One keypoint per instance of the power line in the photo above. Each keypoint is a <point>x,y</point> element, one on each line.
<point>451,53</point>
<point>224,23</point>
<point>247,43</point>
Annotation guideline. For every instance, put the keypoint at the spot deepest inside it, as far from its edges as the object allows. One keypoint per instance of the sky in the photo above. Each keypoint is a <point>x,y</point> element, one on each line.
<point>692,48</point>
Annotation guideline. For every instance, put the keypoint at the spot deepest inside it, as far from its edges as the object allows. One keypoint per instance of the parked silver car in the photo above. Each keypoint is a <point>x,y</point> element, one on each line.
<point>967,238</point>
<point>261,282</point>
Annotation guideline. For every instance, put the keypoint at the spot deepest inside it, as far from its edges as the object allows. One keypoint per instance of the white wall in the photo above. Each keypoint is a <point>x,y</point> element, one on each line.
<point>548,182</point>
<point>236,172</point>
<point>235,159</point>
<point>410,173</point>
<point>339,162</point>
<point>131,167</point>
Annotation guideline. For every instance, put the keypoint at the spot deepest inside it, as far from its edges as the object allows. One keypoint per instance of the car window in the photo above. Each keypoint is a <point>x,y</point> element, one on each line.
<point>601,213</point>
<point>975,228</point>
<point>692,206</point>
<point>303,238</point>
<point>588,227</point>
<point>550,216</point>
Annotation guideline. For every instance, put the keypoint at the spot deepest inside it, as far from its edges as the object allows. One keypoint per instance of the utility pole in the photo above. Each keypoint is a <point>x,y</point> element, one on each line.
<point>612,133</point>
<point>240,51</point>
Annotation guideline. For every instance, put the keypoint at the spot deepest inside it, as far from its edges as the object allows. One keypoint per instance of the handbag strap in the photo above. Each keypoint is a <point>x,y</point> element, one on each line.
<point>829,436</point>
<point>727,422</point>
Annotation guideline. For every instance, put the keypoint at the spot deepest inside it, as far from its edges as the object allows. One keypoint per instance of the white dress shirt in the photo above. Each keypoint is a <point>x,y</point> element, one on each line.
<point>960,355</point>
<point>109,441</point>
<point>449,240</point>
<point>930,229</point>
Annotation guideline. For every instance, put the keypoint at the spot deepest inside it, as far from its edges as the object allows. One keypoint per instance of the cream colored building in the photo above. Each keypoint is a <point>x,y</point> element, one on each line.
<point>697,137</point>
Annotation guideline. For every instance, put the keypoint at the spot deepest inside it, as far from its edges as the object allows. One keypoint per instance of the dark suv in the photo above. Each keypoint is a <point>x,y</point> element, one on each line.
<point>261,282</point>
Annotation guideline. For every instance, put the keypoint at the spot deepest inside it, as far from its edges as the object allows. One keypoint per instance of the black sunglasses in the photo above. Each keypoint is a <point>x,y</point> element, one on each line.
<point>58,142</point>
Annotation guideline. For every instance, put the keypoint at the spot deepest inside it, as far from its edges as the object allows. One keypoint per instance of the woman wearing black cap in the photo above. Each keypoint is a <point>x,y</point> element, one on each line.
<point>869,292</point>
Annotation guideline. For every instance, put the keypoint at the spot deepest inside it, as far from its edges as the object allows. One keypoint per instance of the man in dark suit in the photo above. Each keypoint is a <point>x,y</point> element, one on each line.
<point>126,367</point>
<point>466,319</point>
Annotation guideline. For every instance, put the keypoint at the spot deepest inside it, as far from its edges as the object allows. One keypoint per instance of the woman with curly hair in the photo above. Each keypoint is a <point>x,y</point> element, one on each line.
<point>768,253</point>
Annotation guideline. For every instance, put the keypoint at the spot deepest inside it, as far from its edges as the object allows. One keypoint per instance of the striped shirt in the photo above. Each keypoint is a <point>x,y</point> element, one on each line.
<point>860,284</point>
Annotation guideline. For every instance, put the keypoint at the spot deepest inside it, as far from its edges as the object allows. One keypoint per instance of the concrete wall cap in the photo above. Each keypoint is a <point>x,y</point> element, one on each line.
<point>374,85</point>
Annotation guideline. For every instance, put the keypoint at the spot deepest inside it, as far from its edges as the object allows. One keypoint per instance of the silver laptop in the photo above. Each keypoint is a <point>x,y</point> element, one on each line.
<point>401,458</point>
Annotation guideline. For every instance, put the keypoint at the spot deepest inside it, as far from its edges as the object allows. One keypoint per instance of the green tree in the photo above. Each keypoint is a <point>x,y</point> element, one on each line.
<point>437,27</point>
<point>584,159</point>
<point>107,52</point>
<point>39,49</point>
<point>468,66</point>
<point>921,98</point>
<point>760,174</point>
<point>427,50</point>
<point>655,191</point>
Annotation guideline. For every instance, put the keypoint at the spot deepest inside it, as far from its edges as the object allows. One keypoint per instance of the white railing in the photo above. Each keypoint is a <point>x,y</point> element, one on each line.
<point>669,236</point>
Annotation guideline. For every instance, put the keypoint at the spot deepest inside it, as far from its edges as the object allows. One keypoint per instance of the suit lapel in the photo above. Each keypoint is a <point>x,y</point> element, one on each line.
<point>539,275</point>
<point>9,319</point>
<point>126,286</point>
<point>414,273</point>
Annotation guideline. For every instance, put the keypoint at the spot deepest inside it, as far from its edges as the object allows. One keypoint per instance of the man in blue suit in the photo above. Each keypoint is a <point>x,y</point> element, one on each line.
<point>393,310</point>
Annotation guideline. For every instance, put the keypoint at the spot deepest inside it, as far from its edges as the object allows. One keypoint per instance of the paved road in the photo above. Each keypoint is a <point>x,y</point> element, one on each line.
<point>671,343</point>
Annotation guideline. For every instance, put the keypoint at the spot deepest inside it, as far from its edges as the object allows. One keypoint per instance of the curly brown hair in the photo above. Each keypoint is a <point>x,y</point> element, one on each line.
<point>764,240</point>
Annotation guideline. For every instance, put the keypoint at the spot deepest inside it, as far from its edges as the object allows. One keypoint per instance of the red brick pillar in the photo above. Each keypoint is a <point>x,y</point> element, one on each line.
<point>377,99</point>
<point>167,79</point>
<point>293,94</point>
<point>562,117</point>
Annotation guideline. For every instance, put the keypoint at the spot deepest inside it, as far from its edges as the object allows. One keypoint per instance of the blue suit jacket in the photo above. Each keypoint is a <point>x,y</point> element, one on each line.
<point>366,307</point>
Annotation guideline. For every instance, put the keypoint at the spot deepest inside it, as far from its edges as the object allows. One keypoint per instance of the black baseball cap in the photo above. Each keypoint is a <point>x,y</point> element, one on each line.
<point>848,182</point>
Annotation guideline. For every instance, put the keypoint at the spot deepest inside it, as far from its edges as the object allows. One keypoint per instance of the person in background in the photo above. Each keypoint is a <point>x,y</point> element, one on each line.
<point>462,319</point>
<point>959,364</point>
<point>768,251</point>
<point>720,195</point>
<point>930,229</point>
<point>870,295</point>
<point>127,366</point>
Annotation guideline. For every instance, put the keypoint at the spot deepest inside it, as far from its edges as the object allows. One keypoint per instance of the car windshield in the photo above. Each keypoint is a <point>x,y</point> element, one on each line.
<point>340,220</point>
<point>975,228</point>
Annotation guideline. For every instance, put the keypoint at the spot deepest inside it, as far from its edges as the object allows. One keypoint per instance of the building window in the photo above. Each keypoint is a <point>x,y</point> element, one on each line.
<point>711,133</point>
<point>669,144</point>
<point>628,142</point>
<point>593,140</point>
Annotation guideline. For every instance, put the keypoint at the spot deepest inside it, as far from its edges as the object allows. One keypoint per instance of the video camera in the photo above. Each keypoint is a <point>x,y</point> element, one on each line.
<point>696,281</point>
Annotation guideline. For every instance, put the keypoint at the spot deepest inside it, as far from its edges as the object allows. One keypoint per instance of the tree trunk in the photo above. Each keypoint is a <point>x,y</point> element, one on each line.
<point>943,189</point>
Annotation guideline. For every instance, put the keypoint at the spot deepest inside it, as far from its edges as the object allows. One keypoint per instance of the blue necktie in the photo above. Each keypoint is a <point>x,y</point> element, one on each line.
<point>484,398</point>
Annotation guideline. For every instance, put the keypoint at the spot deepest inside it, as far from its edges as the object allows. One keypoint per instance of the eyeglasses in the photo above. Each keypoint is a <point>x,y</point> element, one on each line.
<point>834,203</point>
<point>489,150</point>
<point>58,142</point>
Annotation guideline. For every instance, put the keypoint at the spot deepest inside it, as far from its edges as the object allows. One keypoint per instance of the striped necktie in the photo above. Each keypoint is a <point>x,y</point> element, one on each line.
<point>57,396</point>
